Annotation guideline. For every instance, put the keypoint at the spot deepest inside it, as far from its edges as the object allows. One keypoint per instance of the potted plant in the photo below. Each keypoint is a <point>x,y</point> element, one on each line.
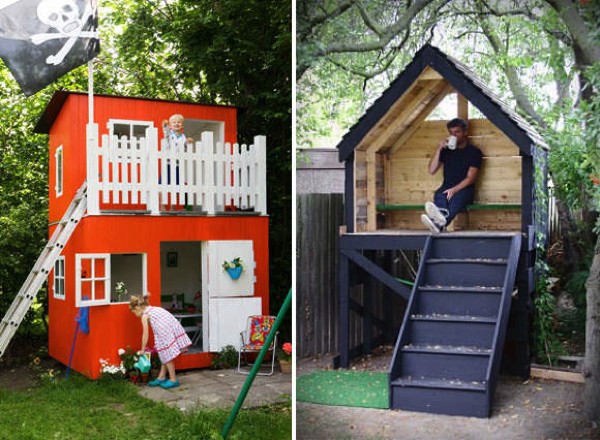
<point>134,376</point>
<point>234,267</point>
<point>128,359</point>
<point>285,357</point>
<point>120,291</point>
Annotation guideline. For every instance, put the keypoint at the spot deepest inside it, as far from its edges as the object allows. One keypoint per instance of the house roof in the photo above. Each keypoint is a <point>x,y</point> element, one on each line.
<point>60,97</point>
<point>425,81</point>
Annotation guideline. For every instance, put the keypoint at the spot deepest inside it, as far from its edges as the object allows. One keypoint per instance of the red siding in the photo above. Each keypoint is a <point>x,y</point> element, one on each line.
<point>113,326</point>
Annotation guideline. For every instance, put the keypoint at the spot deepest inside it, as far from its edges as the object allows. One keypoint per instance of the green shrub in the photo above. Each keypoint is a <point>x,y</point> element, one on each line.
<point>575,286</point>
<point>226,358</point>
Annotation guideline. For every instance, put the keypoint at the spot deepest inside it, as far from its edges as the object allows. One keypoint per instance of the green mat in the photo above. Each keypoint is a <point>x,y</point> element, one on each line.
<point>344,388</point>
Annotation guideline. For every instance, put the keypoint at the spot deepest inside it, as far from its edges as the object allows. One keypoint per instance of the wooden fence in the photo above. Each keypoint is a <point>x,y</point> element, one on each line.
<point>318,219</point>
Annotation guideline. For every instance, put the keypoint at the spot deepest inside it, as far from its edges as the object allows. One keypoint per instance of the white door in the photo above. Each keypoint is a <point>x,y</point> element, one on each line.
<point>227,302</point>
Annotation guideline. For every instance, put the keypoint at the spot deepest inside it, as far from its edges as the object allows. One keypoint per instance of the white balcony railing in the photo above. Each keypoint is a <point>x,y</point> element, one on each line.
<point>145,173</point>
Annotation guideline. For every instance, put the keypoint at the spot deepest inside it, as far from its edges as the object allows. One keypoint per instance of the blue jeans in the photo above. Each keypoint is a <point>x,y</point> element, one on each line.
<point>456,204</point>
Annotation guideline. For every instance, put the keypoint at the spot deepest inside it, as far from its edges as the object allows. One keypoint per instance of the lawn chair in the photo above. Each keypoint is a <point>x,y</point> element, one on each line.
<point>253,339</point>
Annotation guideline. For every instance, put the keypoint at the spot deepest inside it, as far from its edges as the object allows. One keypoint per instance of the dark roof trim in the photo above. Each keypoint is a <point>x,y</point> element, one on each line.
<point>60,97</point>
<point>465,82</point>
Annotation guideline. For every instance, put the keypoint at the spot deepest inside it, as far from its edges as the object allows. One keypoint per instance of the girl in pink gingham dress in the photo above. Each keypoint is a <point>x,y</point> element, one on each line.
<point>170,338</point>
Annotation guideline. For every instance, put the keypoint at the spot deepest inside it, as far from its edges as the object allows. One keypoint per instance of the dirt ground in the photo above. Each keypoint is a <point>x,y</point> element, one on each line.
<point>531,409</point>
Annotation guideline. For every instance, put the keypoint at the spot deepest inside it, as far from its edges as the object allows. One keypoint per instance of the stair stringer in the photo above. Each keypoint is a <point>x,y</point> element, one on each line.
<point>501,327</point>
<point>403,336</point>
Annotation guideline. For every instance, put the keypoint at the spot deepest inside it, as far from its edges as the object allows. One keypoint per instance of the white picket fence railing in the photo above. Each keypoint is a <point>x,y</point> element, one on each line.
<point>203,175</point>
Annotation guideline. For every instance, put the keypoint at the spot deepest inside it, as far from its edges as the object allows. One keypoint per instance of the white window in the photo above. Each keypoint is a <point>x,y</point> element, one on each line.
<point>58,156</point>
<point>120,127</point>
<point>92,279</point>
<point>59,278</point>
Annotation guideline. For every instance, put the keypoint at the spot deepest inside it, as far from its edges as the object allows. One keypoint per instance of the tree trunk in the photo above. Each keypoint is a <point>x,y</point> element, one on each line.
<point>591,366</point>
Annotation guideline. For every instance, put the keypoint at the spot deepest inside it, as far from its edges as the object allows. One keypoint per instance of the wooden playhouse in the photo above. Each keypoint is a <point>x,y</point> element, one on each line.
<point>452,331</point>
<point>126,224</point>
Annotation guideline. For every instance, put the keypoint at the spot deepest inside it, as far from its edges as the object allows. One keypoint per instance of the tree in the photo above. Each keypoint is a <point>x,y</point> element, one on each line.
<point>23,191</point>
<point>540,55</point>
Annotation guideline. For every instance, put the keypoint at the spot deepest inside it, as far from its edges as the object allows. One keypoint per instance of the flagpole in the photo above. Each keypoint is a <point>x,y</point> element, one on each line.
<point>90,92</point>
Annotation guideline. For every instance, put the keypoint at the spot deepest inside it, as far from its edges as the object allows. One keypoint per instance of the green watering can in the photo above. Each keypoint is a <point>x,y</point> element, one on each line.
<point>143,363</point>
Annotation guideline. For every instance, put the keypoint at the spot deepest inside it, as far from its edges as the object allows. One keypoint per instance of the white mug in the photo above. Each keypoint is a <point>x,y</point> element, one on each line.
<point>452,142</point>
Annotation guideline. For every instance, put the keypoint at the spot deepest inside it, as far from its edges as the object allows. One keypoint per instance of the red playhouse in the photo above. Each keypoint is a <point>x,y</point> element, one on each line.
<point>133,212</point>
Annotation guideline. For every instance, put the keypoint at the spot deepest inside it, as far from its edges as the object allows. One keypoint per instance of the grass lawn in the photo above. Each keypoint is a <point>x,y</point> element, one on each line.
<point>112,409</point>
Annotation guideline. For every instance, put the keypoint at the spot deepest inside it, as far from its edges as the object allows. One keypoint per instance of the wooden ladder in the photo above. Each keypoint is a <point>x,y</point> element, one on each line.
<point>42,267</point>
<point>447,356</point>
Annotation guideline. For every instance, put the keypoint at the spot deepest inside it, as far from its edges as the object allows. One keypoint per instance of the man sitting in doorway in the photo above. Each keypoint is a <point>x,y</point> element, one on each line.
<point>461,162</point>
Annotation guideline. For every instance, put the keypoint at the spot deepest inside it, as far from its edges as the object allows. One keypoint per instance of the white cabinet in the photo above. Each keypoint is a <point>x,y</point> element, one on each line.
<point>228,301</point>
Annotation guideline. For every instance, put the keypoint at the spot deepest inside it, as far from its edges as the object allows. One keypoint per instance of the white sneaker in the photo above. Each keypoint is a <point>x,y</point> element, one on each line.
<point>429,223</point>
<point>436,214</point>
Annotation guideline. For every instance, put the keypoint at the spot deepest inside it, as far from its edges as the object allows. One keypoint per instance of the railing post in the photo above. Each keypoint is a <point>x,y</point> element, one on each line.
<point>245,195</point>
<point>260,143</point>
<point>208,149</point>
<point>151,183</point>
<point>93,205</point>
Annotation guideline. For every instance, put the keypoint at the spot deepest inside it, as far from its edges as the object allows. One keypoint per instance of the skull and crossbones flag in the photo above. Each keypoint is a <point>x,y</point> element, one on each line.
<point>41,40</point>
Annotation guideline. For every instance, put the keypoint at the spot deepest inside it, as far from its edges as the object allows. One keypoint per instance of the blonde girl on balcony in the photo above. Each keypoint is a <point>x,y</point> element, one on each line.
<point>170,338</point>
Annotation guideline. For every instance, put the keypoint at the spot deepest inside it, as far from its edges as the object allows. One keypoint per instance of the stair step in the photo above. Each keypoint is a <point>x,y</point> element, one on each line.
<point>441,365</point>
<point>451,331</point>
<point>470,247</point>
<point>493,261</point>
<point>456,401</point>
<point>454,318</point>
<point>447,349</point>
<point>457,288</point>
<point>452,384</point>
<point>472,302</point>
<point>471,273</point>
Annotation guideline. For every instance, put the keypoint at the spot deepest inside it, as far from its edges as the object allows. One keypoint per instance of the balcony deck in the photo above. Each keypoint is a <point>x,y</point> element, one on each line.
<point>151,176</point>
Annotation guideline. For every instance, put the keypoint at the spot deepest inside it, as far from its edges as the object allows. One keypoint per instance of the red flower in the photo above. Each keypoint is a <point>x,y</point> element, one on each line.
<point>287,348</point>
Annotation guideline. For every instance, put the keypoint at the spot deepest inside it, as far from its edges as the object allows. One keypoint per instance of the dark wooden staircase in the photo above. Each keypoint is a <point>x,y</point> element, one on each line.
<point>447,356</point>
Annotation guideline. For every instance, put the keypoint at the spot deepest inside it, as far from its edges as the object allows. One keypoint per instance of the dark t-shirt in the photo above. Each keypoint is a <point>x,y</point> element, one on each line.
<point>457,163</point>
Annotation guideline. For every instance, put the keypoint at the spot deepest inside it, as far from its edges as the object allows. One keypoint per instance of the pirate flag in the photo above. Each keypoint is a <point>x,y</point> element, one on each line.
<point>41,40</point>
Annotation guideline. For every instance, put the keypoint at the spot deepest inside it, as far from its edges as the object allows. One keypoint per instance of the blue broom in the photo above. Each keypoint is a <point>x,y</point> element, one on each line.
<point>82,324</point>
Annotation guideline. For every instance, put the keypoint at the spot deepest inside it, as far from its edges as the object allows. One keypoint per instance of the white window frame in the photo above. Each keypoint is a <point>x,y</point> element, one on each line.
<point>111,123</point>
<point>79,301</point>
<point>58,288</point>
<point>59,170</point>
